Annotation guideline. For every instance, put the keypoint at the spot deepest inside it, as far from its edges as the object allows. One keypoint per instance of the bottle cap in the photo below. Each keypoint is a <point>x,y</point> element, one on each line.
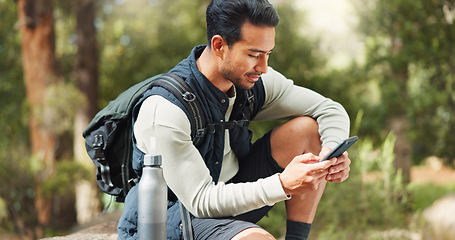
<point>152,160</point>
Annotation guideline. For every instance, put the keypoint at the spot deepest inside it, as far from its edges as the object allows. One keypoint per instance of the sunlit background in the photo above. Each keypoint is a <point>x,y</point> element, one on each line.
<point>334,22</point>
<point>390,63</point>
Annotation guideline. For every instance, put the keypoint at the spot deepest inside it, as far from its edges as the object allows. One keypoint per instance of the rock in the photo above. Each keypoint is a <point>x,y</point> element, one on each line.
<point>440,219</point>
<point>434,163</point>
<point>103,231</point>
<point>104,227</point>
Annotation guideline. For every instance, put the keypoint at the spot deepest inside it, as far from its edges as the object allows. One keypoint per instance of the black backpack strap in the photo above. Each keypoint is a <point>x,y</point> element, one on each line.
<point>250,98</point>
<point>180,89</point>
<point>187,229</point>
<point>98,146</point>
<point>247,115</point>
<point>221,126</point>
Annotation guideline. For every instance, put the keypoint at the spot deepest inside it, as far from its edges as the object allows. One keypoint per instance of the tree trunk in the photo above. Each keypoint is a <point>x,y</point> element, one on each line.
<point>87,201</point>
<point>38,58</point>
<point>398,121</point>
<point>399,125</point>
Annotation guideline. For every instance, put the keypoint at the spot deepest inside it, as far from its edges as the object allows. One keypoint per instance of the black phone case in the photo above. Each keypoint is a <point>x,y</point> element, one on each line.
<point>341,148</point>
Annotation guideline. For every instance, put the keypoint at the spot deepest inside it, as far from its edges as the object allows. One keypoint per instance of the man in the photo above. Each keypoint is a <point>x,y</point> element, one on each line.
<point>228,184</point>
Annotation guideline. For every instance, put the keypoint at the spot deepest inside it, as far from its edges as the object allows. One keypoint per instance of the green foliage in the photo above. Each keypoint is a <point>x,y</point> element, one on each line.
<point>372,199</point>
<point>144,38</point>
<point>16,181</point>
<point>61,101</point>
<point>12,90</point>
<point>275,222</point>
<point>409,70</point>
<point>17,189</point>
<point>19,177</point>
<point>410,54</point>
<point>66,174</point>
<point>295,55</point>
<point>423,195</point>
<point>363,203</point>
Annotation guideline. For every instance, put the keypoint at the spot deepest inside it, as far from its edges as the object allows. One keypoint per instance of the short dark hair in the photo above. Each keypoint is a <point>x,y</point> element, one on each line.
<point>226,17</point>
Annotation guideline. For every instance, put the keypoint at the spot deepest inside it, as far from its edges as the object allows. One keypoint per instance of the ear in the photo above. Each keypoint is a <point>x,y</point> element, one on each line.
<point>219,46</point>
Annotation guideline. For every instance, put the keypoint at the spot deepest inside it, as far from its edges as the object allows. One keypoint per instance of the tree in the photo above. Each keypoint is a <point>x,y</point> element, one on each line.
<point>86,71</point>
<point>38,60</point>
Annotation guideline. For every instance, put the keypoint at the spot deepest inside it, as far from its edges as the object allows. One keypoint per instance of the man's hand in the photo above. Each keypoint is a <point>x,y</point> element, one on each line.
<point>339,172</point>
<point>304,173</point>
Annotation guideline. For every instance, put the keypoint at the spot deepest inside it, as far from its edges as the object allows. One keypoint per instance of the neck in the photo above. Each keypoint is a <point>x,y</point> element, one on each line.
<point>208,65</point>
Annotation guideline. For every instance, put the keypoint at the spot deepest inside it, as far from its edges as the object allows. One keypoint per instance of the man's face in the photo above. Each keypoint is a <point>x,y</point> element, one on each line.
<point>247,59</point>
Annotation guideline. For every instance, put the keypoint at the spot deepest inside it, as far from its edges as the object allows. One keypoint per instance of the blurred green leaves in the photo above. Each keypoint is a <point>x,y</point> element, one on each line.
<point>409,70</point>
<point>410,54</point>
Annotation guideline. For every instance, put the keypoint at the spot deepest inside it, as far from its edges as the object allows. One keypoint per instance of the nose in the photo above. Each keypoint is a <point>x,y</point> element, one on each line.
<point>262,64</point>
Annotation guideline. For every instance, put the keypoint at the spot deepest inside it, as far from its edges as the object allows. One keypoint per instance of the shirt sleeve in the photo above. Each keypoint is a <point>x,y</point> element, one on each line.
<point>284,100</point>
<point>185,171</point>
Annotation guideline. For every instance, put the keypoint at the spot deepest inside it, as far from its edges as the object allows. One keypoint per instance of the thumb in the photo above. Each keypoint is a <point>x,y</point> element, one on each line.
<point>324,151</point>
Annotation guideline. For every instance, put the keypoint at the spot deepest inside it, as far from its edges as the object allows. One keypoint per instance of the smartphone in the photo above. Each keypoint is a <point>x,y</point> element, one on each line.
<point>341,148</point>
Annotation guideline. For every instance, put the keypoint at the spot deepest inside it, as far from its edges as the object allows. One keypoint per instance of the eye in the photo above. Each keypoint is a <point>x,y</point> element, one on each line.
<point>253,56</point>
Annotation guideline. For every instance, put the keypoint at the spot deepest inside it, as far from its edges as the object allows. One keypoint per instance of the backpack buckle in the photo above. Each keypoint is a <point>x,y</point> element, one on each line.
<point>189,96</point>
<point>242,123</point>
<point>98,145</point>
<point>200,133</point>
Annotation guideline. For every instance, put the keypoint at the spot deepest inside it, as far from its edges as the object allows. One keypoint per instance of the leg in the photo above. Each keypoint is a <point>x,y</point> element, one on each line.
<point>253,234</point>
<point>295,137</point>
<point>228,228</point>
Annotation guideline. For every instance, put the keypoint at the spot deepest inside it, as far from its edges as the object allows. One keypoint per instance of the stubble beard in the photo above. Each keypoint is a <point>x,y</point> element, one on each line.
<point>239,82</point>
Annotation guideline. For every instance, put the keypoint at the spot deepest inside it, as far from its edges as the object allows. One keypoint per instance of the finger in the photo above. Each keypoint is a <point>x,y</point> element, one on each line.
<point>307,158</point>
<point>338,167</point>
<point>339,176</point>
<point>327,163</point>
<point>324,152</point>
<point>323,166</point>
<point>342,161</point>
<point>311,161</point>
<point>322,174</point>
<point>344,157</point>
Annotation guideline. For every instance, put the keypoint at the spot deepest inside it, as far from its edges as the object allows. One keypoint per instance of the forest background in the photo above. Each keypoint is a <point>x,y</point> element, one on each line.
<point>62,61</point>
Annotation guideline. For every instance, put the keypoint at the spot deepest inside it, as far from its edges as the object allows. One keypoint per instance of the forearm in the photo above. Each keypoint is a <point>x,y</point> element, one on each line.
<point>284,100</point>
<point>188,177</point>
<point>185,171</point>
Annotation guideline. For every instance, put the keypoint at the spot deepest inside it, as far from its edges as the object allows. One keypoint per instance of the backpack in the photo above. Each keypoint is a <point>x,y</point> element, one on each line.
<point>108,137</point>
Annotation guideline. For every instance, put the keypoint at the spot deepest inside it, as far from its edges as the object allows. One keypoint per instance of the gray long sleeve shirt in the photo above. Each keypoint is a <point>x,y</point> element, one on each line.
<point>185,171</point>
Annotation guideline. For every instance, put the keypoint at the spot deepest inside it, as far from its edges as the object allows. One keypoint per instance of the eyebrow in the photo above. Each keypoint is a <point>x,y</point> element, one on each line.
<point>261,51</point>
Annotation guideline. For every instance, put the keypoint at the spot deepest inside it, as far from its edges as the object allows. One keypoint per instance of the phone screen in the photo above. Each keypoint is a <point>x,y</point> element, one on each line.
<point>341,148</point>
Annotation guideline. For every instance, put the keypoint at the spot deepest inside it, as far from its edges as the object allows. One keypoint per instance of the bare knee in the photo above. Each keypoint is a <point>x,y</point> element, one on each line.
<point>294,137</point>
<point>254,233</point>
<point>307,133</point>
<point>306,126</point>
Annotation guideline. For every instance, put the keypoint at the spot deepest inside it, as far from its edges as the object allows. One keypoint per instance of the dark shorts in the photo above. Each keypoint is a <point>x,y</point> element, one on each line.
<point>258,164</point>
